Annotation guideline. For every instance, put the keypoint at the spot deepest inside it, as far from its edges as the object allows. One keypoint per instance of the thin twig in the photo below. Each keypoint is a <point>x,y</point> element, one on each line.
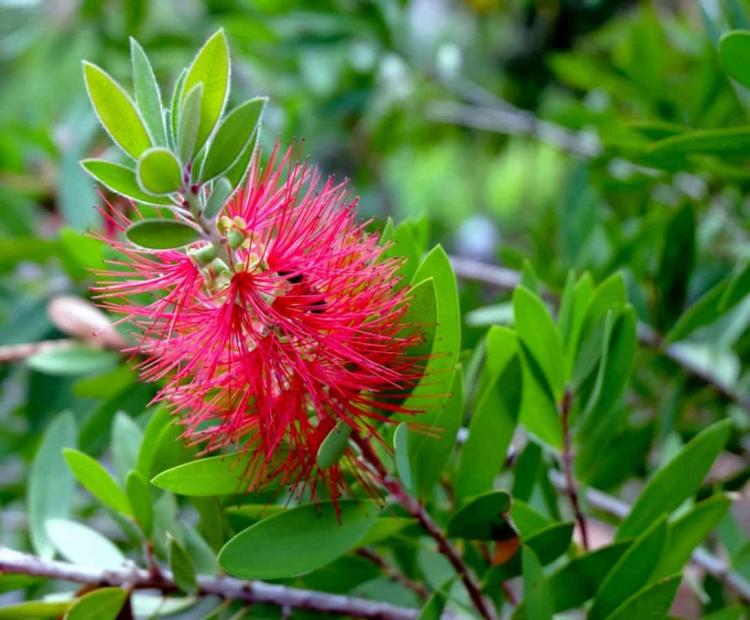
<point>392,573</point>
<point>567,461</point>
<point>415,509</point>
<point>507,279</point>
<point>225,587</point>
<point>713,565</point>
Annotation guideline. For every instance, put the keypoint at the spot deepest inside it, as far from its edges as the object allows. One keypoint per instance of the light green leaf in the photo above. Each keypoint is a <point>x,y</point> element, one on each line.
<point>189,123</point>
<point>334,445</point>
<point>73,360</point>
<point>126,441</point>
<point>651,603</point>
<point>147,94</point>
<point>101,604</point>
<point>97,481</point>
<point>631,572</point>
<point>539,334</point>
<point>225,474</point>
<point>121,180</point>
<point>182,567</point>
<point>234,133</point>
<point>536,591</point>
<point>237,174</point>
<point>34,610</point>
<point>298,540</point>
<point>139,497</point>
<point>734,54</point>
<point>82,545</point>
<point>401,455</point>
<point>211,68</point>
<point>159,171</point>
<point>51,485</point>
<point>116,111</point>
<point>158,234</point>
<point>677,480</point>
<point>220,194</point>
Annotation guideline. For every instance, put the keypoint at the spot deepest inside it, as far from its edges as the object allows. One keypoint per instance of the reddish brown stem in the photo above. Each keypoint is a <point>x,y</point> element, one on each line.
<point>567,463</point>
<point>415,509</point>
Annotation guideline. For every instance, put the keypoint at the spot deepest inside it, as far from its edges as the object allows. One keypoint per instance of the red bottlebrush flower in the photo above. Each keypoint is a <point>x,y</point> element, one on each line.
<point>296,326</point>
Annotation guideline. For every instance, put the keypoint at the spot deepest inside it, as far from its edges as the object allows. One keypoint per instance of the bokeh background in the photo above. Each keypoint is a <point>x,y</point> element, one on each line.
<point>517,130</point>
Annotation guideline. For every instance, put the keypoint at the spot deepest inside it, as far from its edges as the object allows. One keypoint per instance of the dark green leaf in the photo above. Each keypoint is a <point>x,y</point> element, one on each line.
<point>334,445</point>
<point>156,234</point>
<point>97,481</point>
<point>677,480</point>
<point>734,54</point>
<point>483,518</point>
<point>651,603</point>
<point>159,172</point>
<point>121,180</point>
<point>297,541</point>
<point>147,94</point>
<point>116,111</point>
<point>182,567</point>
<point>51,485</point>
<point>233,135</point>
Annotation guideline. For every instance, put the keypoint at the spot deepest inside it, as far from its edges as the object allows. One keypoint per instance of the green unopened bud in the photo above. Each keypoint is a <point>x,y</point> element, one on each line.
<point>218,266</point>
<point>204,255</point>
<point>235,238</point>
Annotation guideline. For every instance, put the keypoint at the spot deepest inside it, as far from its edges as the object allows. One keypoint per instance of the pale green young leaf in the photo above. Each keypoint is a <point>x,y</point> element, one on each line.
<point>80,544</point>
<point>147,94</point>
<point>97,481</point>
<point>181,566</point>
<point>121,180</point>
<point>100,604</point>
<point>159,234</point>
<point>189,123</point>
<point>220,194</point>
<point>159,172</point>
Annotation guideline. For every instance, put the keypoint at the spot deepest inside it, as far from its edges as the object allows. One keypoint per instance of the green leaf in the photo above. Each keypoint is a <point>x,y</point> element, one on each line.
<point>677,480</point>
<point>225,474</point>
<point>237,174</point>
<point>483,518</point>
<point>82,545</point>
<point>139,497</point>
<point>651,603</point>
<point>536,591</point>
<point>234,134</point>
<point>73,360</point>
<point>385,527</point>
<point>573,309</point>
<point>540,335</point>
<point>526,471</point>
<point>433,608</point>
<point>97,481</point>
<point>733,141</point>
<point>676,264</point>
<point>189,123</point>
<point>211,69</point>
<point>159,172</point>
<point>126,441</point>
<point>737,289</point>
<point>703,312</point>
<point>147,94</point>
<point>181,566</point>
<point>158,234</point>
<point>734,54</point>
<point>689,531</point>
<point>101,604</point>
<point>116,111</point>
<point>51,486</point>
<point>494,418</point>
<point>159,421</point>
<point>401,455</point>
<point>121,180</point>
<point>631,572</point>
<point>297,541</point>
<point>220,194</point>
<point>538,408</point>
<point>34,610</point>
<point>332,448</point>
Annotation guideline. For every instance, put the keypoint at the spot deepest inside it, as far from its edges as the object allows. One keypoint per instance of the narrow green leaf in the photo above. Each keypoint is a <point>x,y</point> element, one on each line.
<point>147,94</point>
<point>126,441</point>
<point>159,172</point>
<point>483,518</point>
<point>158,234</point>
<point>189,124</point>
<point>97,481</point>
<point>220,194</point>
<point>82,545</point>
<point>34,610</point>
<point>121,180</point>
<point>704,311</point>
<point>689,531</point>
<point>677,480</point>
<point>237,174</point>
<point>653,602</point>
<point>334,445</point>
<point>401,454</point>
<point>101,604</point>
<point>51,485</point>
<point>173,114</point>
<point>73,360</point>
<point>116,111</point>
<point>233,135</point>
<point>211,68</point>
<point>540,335</point>
<point>433,608</point>
<point>139,497</point>
<point>159,421</point>
<point>536,591</point>
<point>298,540</point>
<point>539,414</point>
<point>182,567</point>
<point>631,572</point>
<point>734,54</point>
<point>226,474</point>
